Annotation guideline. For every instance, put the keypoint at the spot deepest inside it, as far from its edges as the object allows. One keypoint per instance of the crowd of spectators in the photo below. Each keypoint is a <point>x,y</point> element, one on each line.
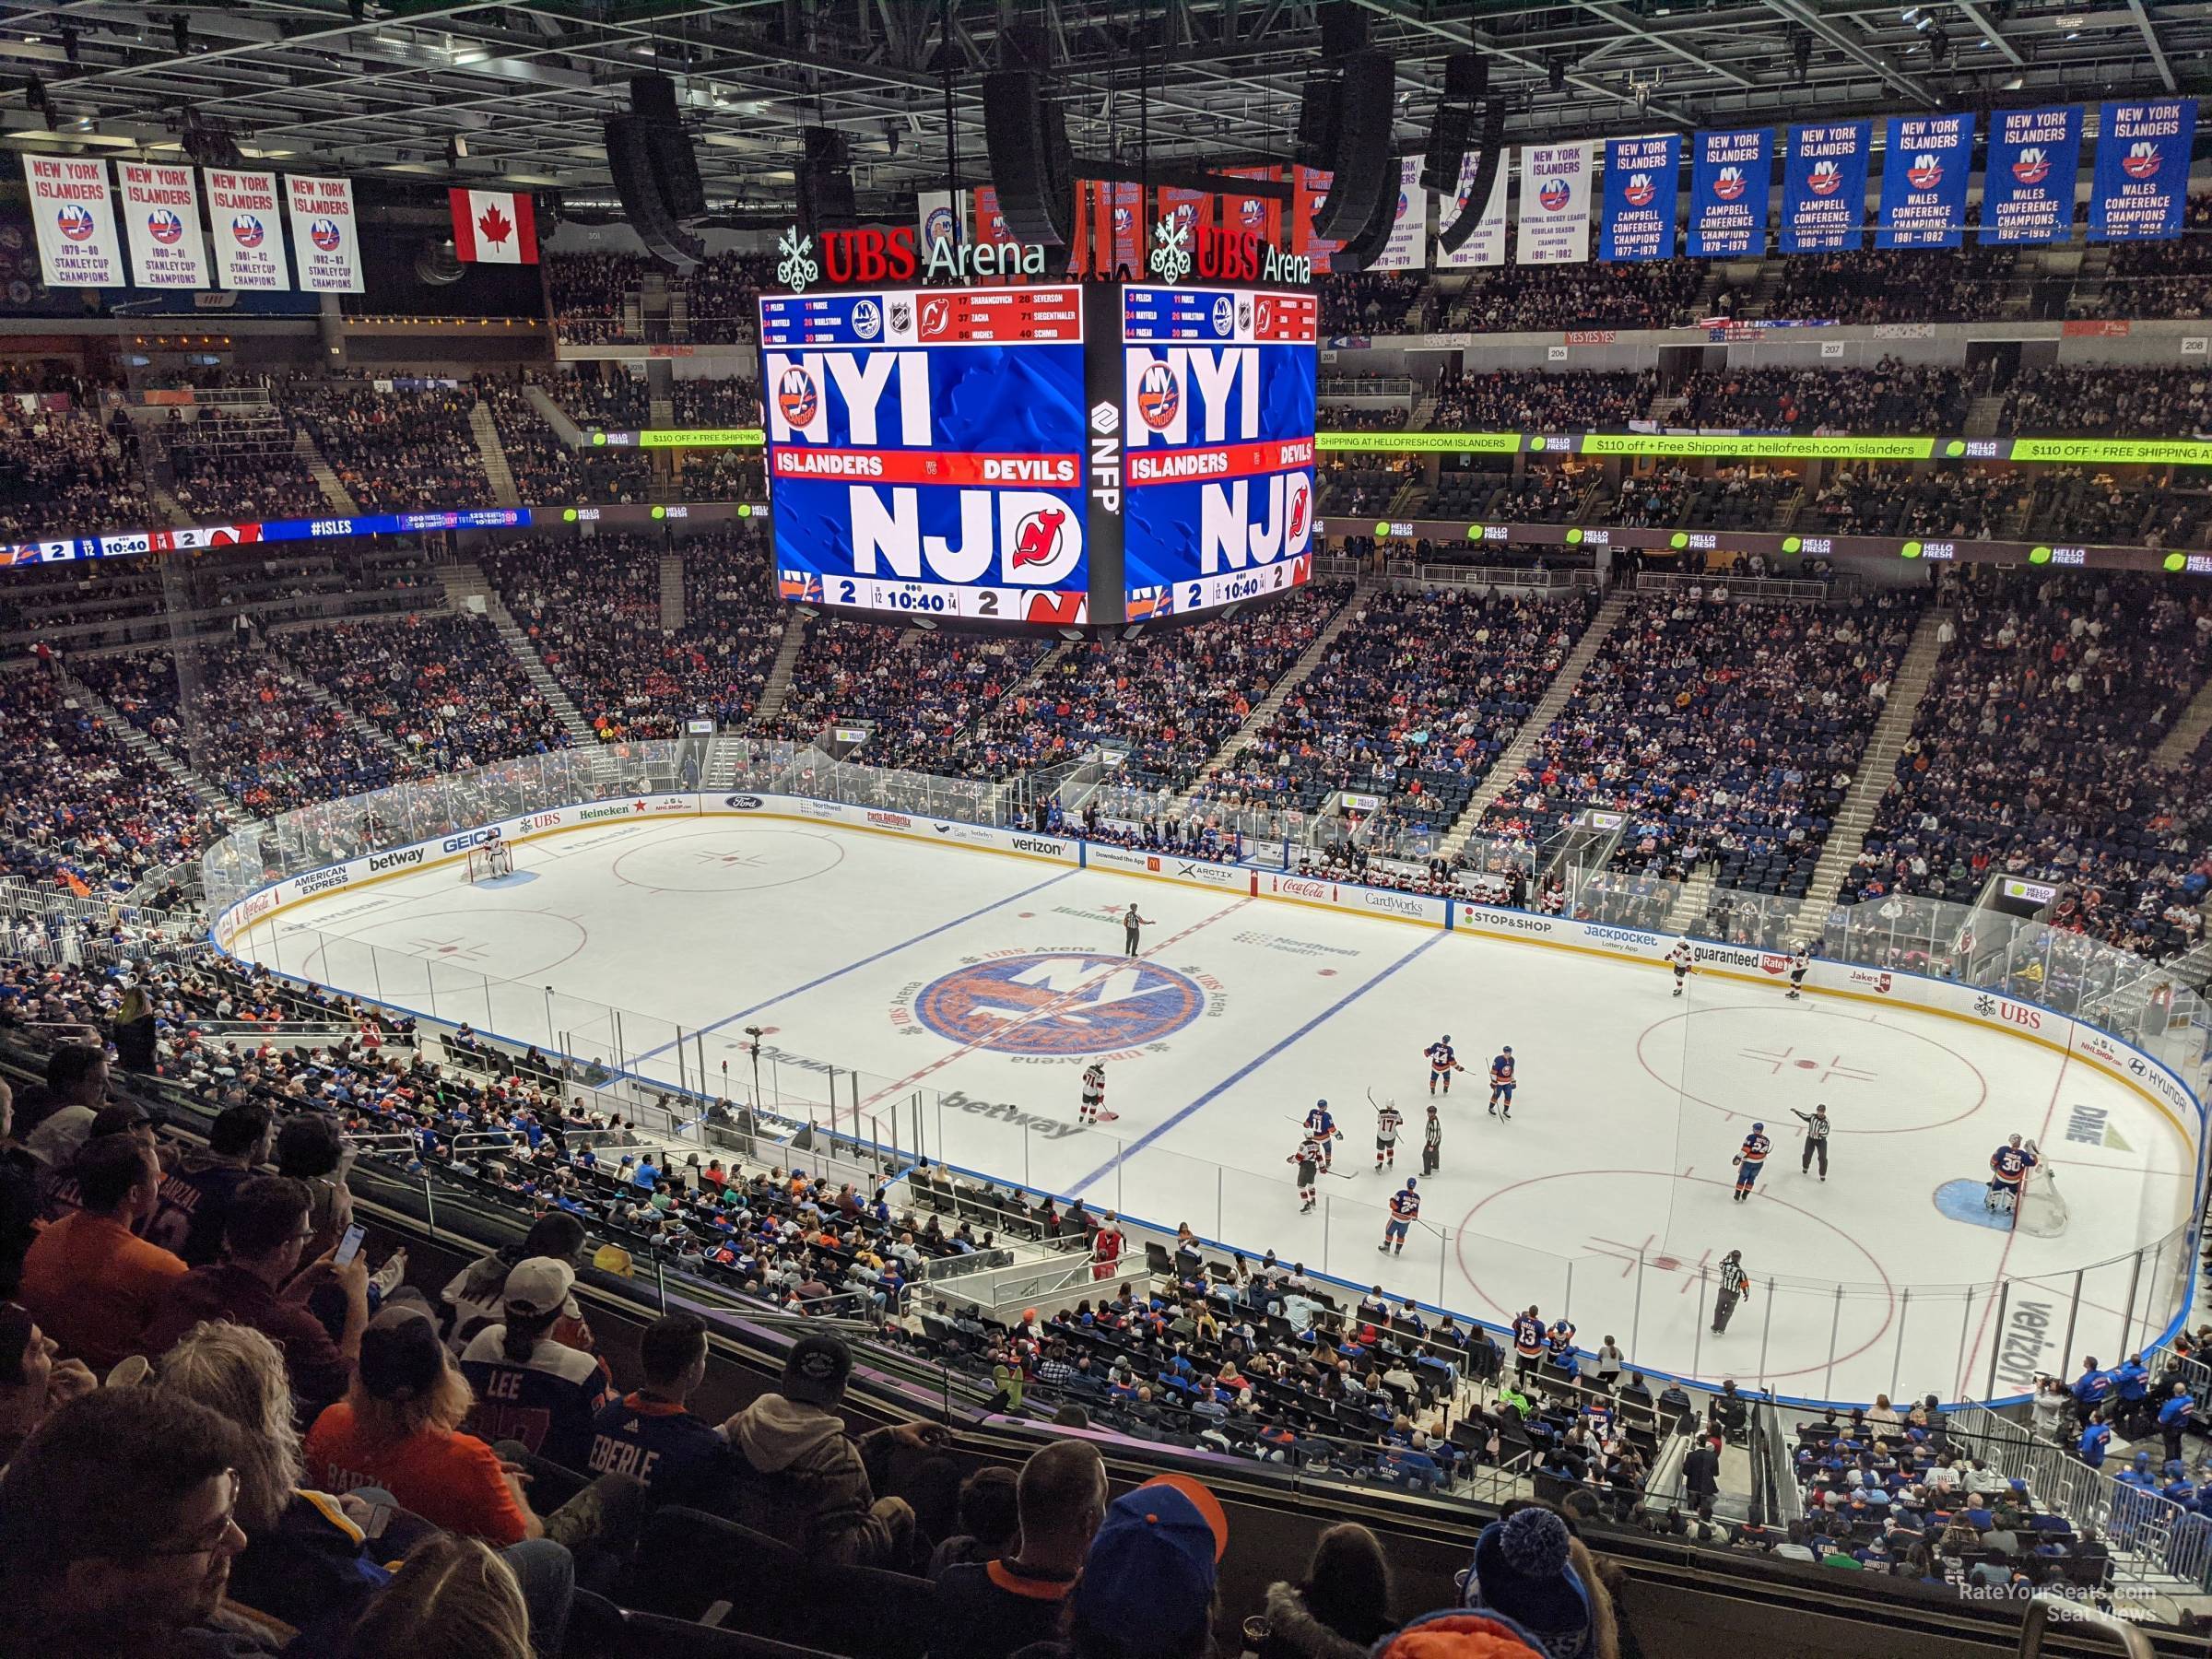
<point>2158,278</point>
<point>613,397</point>
<point>2030,756</point>
<point>64,472</point>
<point>1517,298</point>
<point>923,694</point>
<point>444,686</point>
<point>1893,396</point>
<point>395,449</point>
<point>237,464</point>
<point>1373,302</point>
<point>1521,400</point>
<point>714,303</point>
<point>2080,504</point>
<point>587,291</point>
<point>1952,503</point>
<point>548,471</point>
<point>703,402</point>
<point>2105,402</point>
<point>1893,285</point>
<point>1728,733</point>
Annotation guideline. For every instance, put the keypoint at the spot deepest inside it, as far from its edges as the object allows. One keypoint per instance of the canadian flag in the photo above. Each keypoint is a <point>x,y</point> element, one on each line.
<point>493,226</point>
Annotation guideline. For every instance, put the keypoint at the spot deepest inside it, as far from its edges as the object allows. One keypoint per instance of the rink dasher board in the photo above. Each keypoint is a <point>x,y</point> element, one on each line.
<point>1969,1004</point>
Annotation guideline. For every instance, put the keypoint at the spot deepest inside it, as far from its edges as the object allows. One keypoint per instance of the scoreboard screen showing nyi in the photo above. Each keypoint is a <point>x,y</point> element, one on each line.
<point>1070,454</point>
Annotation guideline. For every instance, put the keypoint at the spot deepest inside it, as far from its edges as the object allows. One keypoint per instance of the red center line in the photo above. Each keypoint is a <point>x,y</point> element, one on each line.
<point>1996,1284</point>
<point>1054,1006</point>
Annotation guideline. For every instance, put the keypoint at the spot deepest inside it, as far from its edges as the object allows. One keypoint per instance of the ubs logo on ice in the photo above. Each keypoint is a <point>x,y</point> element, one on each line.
<point>1059,1004</point>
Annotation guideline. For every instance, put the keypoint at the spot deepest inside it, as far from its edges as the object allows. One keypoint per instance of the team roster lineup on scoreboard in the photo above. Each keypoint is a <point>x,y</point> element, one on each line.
<point>925,451</point>
<point>1218,409</point>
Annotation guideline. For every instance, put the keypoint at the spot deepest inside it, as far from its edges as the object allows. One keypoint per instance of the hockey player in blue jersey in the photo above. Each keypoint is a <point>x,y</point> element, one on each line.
<point>1321,1125</point>
<point>1750,1160</point>
<point>1501,1080</point>
<point>1404,1209</point>
<point>1442,1062</point>
<point>2009,1166</point>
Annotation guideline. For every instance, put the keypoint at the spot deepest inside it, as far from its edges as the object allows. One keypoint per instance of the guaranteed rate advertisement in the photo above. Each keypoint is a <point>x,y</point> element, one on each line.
<point>925,451</point>
<point>1217,419</point>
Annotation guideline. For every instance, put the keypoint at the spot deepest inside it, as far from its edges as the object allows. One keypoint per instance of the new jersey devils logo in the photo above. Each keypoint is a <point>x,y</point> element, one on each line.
<point>797,398</point>
<point>1925,173</point>
<point>937,316</point>
<point>1263,317</point>
<point>2031,167</point>
<point>1296,525</point>
<point>1157,396</point>
<point>1037,537</point>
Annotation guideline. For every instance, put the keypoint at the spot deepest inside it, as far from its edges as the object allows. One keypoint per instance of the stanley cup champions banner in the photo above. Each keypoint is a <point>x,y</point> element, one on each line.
<point>1729,175</point>
<point>1924,180</point>
<point>162,208</point>
<point>1642,191</point>
<point>326,237</point>
<point>248,234</point>
<point>2141,181</point>
<point>1824,187</point>
<point>1555,203</point>
<point>75,215</point>
<point>1485,243</point>
<point>2028,186</point>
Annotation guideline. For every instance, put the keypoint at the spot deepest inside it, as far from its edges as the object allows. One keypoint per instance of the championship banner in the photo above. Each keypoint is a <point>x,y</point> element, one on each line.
<point>1186,208</point>
<point>1485,243</point>
<point>2141,181</point>
<point>1924,180</point>
<point>1407,249</point>
<point>938,219</point>
<point>990,223</point>
<point>1824,187</point>
<point>1309,189</point>
<point>1260,216</point>
<point>1729,173</point>
<point>2028,186</point>
<point>1643,188</point>
<point>326,237</point>
<point>249,238</point>
<point>76,220</point>
<point>1555,203</point>
<point>161,205</point>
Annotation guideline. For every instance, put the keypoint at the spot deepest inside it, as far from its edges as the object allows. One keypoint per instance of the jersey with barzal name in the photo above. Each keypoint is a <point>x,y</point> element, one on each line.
<point>1386,1124</point>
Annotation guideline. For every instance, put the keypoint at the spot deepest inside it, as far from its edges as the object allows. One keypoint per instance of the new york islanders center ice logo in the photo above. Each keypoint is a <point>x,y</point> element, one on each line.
<point>1063,1003</point>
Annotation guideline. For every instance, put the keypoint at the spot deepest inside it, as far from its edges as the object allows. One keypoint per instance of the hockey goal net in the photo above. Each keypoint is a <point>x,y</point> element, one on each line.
<point>2042,1211</point>
<point>493,858</point>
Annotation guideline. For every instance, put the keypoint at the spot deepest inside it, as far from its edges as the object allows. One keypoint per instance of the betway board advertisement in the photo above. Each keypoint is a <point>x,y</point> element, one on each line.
<point>925,451</point>
<point>1217,424</point>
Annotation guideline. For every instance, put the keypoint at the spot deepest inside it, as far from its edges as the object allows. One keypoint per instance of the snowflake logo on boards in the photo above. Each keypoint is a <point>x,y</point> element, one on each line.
<point>1986,1005</point>
<point>797,268</point>
<point>1172,259</point>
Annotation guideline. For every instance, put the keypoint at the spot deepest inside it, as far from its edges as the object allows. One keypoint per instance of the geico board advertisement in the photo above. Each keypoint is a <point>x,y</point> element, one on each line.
<point>1218,427</point>
<point>925,451</point>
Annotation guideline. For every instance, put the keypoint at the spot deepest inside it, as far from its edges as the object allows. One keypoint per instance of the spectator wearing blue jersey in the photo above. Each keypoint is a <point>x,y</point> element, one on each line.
<point>2096,1440</point>
<point>2091,1388</point>
<point>2177,1414</point>
<point>530,1386</point>
<point>652,1432</point>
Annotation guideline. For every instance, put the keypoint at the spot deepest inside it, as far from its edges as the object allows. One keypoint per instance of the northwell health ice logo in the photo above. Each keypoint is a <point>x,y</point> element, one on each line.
<point>1059,1002</point>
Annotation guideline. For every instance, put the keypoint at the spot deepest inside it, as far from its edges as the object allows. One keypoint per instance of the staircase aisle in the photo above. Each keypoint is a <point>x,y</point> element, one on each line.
<point>778,685</point>
<point>1548,706</point>
<point>132,737</point>
<point>496,473</point>
<point>464,581</point>
<point>335,493</point>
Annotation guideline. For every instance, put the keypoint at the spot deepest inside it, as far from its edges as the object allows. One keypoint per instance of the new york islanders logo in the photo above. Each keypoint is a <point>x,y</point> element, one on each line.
<point>164,227</point>
<point>1925,173</point>
<point>797,398</point>
<point>246,231</point>
<point>1639,190</point>
<point>1825,179</point>
<point>1729,183</point>
<point>1554,194</point>
<point>1252,213</point>
<point>1125,219</point>
<point>1059,1004</point>
<point>2141,161</point>
<point>325,235</point>
<point>74,220</point>
<point>1158,396</point>
<point>2032,166</point>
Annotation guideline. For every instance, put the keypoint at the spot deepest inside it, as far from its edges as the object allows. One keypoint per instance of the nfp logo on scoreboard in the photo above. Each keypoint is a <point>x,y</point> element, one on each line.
<point>925,451</point>
<point>1217,415</point>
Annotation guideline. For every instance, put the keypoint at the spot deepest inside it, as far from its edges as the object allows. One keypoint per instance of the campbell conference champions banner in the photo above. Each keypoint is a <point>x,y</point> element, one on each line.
<point>1729,176</point>
<point>1407,249</point>
<point>74,212</point>
<point>1642,191</point>
<point>1824,187</point>
<point>1555,203</point>
<point>2142,176</point>
<point>2028,184</point>
<point>1924,180</point>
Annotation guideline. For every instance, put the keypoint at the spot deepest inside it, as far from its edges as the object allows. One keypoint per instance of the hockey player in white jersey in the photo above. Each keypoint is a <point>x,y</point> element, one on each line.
<point>1387,1123</point>
<point>1800,961</point>
<point>1678,959</point>
<point>1094,1095</point>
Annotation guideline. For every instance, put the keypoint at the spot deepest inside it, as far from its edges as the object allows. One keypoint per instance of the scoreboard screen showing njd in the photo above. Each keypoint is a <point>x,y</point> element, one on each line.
<point>1057,454</point>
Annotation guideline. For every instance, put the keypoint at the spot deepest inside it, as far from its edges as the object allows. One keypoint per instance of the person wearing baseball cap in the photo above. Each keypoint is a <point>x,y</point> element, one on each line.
<point>530,1387</point>
<point>795,1436</point>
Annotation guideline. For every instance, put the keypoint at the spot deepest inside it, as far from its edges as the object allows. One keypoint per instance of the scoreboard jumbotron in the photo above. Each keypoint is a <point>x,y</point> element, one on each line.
<point>1066,454</point>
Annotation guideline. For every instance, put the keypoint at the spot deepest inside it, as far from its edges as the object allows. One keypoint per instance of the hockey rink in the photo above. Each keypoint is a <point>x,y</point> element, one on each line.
<point>958,993</point>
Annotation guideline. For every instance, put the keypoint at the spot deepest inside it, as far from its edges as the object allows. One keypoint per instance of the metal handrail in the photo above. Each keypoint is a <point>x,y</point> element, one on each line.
<point>2042,1607</point>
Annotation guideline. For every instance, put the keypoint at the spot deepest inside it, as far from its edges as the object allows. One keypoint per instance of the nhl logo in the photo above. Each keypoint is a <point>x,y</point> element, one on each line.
<point>1243,313</point>
<point>902,316</point>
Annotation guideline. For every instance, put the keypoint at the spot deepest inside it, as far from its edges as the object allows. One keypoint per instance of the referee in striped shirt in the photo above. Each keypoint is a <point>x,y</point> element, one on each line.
<point>1735,1285</point>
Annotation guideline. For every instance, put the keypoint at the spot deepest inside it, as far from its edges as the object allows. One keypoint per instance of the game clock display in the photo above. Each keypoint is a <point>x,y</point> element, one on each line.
<point>1058,455</point>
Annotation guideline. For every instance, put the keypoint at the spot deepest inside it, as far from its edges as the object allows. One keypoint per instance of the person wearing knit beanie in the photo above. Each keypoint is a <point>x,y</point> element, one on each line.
<point>1524,1569</point>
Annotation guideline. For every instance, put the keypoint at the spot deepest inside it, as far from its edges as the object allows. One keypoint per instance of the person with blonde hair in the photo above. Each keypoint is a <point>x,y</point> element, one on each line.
<point>451,1598</point>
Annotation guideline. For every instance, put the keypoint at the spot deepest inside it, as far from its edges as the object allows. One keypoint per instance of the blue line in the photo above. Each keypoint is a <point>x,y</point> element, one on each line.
<point>1237,1076</point>
<point>637,1060</point>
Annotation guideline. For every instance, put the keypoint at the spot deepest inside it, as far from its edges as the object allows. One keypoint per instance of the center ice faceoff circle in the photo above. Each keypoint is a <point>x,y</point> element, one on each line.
<point>1059,1004</point>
